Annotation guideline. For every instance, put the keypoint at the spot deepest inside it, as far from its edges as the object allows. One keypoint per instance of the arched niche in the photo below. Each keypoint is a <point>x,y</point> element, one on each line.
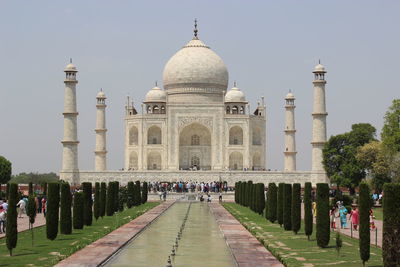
<point>133,136</point>
<point>154,161</point>
<point>236,161</point>
<point>236,135</point>
<point>154,135</point>
<point>133,161</point>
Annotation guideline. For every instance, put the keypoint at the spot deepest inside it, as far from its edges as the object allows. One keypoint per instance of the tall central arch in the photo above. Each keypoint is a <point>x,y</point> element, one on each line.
<point>195,147</point>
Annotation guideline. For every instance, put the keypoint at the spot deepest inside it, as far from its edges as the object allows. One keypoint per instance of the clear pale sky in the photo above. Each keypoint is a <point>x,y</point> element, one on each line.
<point>269,47</point>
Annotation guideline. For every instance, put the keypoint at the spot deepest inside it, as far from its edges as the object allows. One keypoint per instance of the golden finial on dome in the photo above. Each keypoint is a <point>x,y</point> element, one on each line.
<point>195,29</point>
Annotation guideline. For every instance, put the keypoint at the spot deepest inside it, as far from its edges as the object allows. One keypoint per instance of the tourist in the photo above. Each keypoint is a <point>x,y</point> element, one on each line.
<point>371,220</point>
<point>220,197</point>
<point>314,208</point>
<point>201,198</point>
<point>165,195</point>
<point>3,219</point>
<point>354,217</point>
<point>208,198</point>
<point>21,204</point>
<point>343,216</point>
<point>44,206</point>
<point>5,205</point>
<point>39,204</point>
<point>333,217</point>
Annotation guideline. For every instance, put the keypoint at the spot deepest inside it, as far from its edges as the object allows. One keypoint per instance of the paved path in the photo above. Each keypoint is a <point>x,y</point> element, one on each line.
<point>100,250</point>
<point>23,223</point>
<point>245,248</point>
<point>374,235</point>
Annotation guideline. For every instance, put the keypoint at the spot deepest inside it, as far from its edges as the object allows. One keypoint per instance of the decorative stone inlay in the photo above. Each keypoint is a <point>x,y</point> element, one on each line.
<point>184,121</point>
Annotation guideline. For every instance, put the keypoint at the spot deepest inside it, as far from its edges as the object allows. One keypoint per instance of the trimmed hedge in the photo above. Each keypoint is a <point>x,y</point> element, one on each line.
<point>30,189</point>
<point>96,206</point>
<point>137,195</point>
<point>78,210</point>
<point>131,193</point>
<point>323,222</point>
<point>249,192</point>
<point>272,201</point>
<point>287,207</point>
<point>65,210</point>
<point>11,224</point>
<point>364,206</point>
<point>144,192</point>
<point>296,208</point>
<point>391,224</point>
<point>116,196</point>
<point>279,210</point>
<point>87,203</point>
<point>110,199</point>
<point>53,207</point>
<point>103,199</point>
<point>308,216</point>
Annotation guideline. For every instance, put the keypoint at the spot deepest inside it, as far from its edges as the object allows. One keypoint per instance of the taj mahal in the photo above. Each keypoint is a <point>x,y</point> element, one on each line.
<point>194,128</point>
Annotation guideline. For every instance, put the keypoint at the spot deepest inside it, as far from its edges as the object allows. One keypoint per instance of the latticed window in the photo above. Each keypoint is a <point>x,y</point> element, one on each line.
<point>195,140</point>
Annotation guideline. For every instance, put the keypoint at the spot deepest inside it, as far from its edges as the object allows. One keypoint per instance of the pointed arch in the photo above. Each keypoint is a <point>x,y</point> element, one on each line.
<point>154,135</point>
<point>133,161</point>
<point>154,161</point>
<point>236,135</point>
<point>236,161</point>
<point>133,136</point>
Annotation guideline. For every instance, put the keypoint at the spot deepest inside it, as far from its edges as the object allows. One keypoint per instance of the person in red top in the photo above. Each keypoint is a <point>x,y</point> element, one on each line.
<point>44,205</point>
<point>354,217</point>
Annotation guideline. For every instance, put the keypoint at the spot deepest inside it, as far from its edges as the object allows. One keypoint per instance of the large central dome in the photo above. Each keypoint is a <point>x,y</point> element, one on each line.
<point>195,69</point>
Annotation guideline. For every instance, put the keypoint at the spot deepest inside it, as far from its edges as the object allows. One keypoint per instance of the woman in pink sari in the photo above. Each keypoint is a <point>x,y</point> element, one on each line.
<point>354,217</point>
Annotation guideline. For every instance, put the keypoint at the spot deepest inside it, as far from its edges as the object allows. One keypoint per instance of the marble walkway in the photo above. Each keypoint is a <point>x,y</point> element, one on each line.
<point>100,250</point>
<point>245,248</point>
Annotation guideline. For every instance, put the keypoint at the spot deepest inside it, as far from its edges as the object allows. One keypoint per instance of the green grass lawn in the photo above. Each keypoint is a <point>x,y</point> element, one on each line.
<point>47,253</point>
<point>296,250</point>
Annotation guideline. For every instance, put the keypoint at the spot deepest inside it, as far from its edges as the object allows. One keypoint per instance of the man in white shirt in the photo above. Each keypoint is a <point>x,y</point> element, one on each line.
<point>21,204</point>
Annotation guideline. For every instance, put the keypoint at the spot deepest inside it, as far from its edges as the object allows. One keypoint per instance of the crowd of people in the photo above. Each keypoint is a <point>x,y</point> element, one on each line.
<point>189,187</point>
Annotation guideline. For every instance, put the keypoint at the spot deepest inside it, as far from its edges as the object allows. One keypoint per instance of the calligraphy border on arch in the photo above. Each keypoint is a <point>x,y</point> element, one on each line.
<point>206,121</point>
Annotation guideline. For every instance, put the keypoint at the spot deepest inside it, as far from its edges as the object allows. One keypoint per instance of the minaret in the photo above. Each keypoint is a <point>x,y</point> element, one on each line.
<point>290,134</point>
<point>70,171</point>
<point>319,118</point>
<point>100,163</point>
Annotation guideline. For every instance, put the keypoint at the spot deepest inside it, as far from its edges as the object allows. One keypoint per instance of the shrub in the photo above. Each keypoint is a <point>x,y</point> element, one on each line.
<point>131,193</point>
<point>249,196</point>
<point>323,227</point>
<point>96,206</point>
<point>287,207</point>
<point>110,199</point>
<point>103,199</point>
<point>363,208</point>
<point>296,208</point>
<point>144,192</point>
<point>116,196</point>
<point>53,207</point>
<point>31,212</point>
<point>244,194</point>
<point>391,224</point>
<point>279,210</point>
<point>137,195</point>
<point>308,216</point>
<point>30,189</point>
<point>236,192</point>
<point>78,210</point>
<point>65,213</point>
<point>272,202</point>
<point>11,224</point>
<point>339,242</point>
<point>87,203</point>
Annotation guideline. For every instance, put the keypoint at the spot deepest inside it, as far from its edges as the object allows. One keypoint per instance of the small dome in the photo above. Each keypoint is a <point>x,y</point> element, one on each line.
<point>235,95</point>
<point>290,96</point>
<point>156,95</point>
<point>70,67</point>
<point>319,68</point>
<point>101,94</point>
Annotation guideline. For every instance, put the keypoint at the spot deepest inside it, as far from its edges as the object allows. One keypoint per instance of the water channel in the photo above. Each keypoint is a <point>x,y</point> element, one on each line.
<point>200,244</point>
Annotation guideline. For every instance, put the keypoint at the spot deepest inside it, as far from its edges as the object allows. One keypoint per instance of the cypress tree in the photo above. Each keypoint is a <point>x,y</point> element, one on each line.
<point>116,196</point>
<point>65,213</point>
<point>308,216</point>
<point>323,227</point>
<point>287,207</point>
<point>144,192</point>
<point>11,224</point>
<point>364,234</point>
<point>7,190</point>
<point>131,193</point>
<point>236,190</point>
<point>243,194</point>
<point>296,207</point>
<point>391,225</point>
<point>96,206</point>
<point>261,198</point>
<point>110,199</point>
<point>87,203</point>
<point>53,207</point>
<point>272,202</point>
<point>78,210</point>
<point>138,196</point>
<point>31,212</point>
<point>279,210</point>
<point>45,189</point>
<point>103,199</point>
<point>30,190</point>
